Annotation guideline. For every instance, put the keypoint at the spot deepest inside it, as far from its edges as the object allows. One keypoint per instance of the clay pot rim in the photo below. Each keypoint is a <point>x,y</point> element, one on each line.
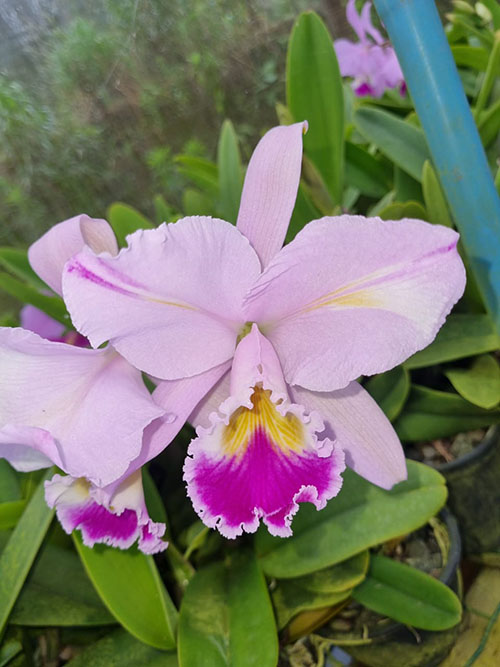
<point>490,439</point>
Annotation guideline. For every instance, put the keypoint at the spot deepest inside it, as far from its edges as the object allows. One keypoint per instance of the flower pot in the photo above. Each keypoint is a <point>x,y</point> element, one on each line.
<point>474,494</point>
<point>392,644</point>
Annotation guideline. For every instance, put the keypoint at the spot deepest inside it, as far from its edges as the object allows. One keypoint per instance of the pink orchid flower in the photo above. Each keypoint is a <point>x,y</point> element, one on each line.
<point>86,411</point>
<point>281,334</point>
<point>372,64</point>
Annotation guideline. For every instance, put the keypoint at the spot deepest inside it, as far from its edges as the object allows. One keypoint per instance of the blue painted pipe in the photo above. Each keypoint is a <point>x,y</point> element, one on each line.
<point>418,37</point>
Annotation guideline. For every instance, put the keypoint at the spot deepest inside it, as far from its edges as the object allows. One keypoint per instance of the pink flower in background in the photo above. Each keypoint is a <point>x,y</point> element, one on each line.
<point>274,337</point>
<point>86,411</point>
<point>370,62</point>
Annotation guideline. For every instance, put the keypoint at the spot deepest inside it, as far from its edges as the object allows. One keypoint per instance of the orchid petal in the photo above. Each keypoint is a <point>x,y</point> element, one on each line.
<point>352,296</point>
<point>50,253</point>
<point>36,320</point>
<point>351,56</point>
<point>28,448</point>
<point>90,405</point>
<point>261,456</point>
<point>170,303</point>
<point>355,421</point>
<point>367,24</point>
<point>270,189</point>
<point>355,20</point>
<point>119,520</point>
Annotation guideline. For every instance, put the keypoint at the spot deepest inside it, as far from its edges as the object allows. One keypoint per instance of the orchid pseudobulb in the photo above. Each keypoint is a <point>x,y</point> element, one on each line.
<point>273,338</point>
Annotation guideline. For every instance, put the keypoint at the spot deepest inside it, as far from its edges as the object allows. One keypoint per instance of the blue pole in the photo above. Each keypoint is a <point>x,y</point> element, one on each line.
<point>418,37</point>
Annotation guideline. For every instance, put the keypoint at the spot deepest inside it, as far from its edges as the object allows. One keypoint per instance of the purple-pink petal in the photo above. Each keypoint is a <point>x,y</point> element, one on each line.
<point>170,303</point>
<point>49,254</point>
<point>270,189</point>
<point>36,320</point>
<point>353,296</point>
<point>356,423</point>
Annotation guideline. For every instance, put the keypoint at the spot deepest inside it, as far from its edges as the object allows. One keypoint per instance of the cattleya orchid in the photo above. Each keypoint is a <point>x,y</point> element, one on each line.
<point>271,339</point>
<point>370,62</point>
<point>86,411</point>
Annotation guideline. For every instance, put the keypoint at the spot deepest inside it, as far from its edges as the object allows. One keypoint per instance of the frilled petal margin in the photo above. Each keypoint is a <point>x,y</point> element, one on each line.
<point>119,520</point>
<point>354,420</point>
<point>261,455</point>
<point>353,296</point>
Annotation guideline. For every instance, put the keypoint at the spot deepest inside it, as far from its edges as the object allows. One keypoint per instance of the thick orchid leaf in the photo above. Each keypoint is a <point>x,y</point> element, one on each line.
<point>479,384</point>
<point>129,585</point>
<point>10,513</point>
<point>361,516</point>
<point>435,201</point>
<point>10,487</point>
<point>16,261</point>
<point>303,212</point>
<point>57,592</point>
<point>489,78</point>
<point>163,211</point>
<point>226,617</point>
<point>323,588</point>
<point>195,202</point>
<point>52,305</point>
<point>489,124</point>
<point>431,414</point>
<point>408,595</point>
<point>397,211</point>
<point>230,173</point>
<point>407,188</point>
<point>401,142</point>
<point>119,649</point>
<point>201,172</point>
<point>8,651</point>
<point>462,335</point>
<point>390,390</point>
<point>475,57</point>
<point>364,172</point>
<point>126,220</point>
<point>315,93</point>
<point>20,551</point>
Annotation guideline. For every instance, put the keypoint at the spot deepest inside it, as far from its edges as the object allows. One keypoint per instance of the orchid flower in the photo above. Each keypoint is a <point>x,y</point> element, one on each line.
<point>372,64</point>
<point>86,411</point>
<point>34,319</point>
<point>280,334</point>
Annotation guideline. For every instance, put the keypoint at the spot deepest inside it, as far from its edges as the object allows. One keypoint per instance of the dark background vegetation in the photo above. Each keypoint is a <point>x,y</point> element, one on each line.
<point>97,97</point>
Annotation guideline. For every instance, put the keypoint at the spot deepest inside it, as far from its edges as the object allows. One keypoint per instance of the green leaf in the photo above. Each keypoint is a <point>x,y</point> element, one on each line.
<point>10,512</point>
<point>314,93</point>
<point>10,488</point>
<point>323,588</point>
<point>479,384</point>
<point>130,586</point>
<point>52,305</point>
<point>126,220</point>
<point>397,211</point>
<point>489,124</point>
<point>8,650</point>
<point>303,212</point>
<point>57,592</point>
<point>226,617</point>
<point>364,172</point>
<point>119,649</point>
<point>16,261</point>
<point>431,414</point>
<point>361,516</point>
<point>494,8</point>
<point>475,57</point>
<point>408,595</point>
<point>462,335</point>
<point>19,553</point>
<point>230,172</point>
<point>195,202</point>
<point>163,211</point>
<point>407,188</point>
<point>490,76</point>
<point>435,201</point>
<point>401,142</point>
<point>201,172</point>
<point>390,390</point>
